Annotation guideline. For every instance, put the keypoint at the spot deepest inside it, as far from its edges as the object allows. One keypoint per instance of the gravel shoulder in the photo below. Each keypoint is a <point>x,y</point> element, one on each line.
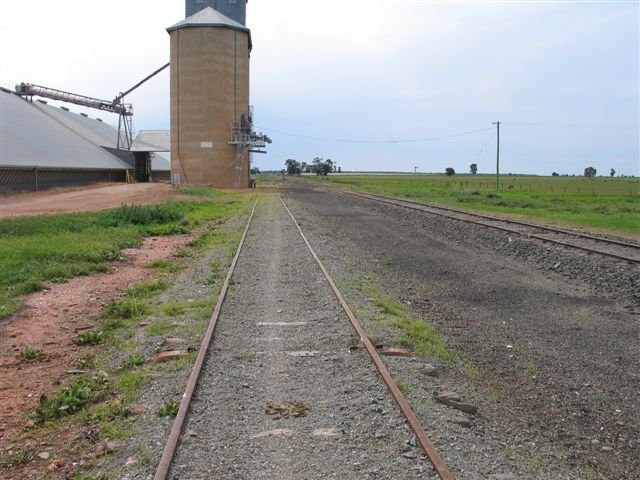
<point>550,338</point>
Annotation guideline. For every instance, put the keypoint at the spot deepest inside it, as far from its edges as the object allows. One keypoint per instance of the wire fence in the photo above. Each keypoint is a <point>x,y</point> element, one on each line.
<point>599,186</point>
<point>14,180</point>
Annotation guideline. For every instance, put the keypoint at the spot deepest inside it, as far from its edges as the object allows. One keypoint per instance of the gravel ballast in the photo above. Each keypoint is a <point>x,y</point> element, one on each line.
<point>282,347</point>
<point>549,337</point>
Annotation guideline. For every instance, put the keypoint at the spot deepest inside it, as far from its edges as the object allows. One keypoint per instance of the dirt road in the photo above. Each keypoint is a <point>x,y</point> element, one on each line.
<point>84,199</point>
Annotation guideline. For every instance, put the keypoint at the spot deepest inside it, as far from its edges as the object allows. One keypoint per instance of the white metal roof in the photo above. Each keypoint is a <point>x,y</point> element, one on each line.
<point>35,134</point>
<point>208,17</point>
<point>152,141</point>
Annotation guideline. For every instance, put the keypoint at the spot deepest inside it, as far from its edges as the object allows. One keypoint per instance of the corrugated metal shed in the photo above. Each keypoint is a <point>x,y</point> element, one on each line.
<point>39,135</point>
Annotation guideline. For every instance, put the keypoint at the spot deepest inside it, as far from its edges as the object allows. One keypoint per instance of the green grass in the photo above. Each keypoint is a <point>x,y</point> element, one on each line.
<point>42,249</point>
<point>134,361</point>
<point>165,266</point>
<point>403,386</point>
<point>423,339</point>
<point>148,289</point>
<point>606,203</point>
<point>174,309</point>
<point>126,309</point>
<point>129,382</point>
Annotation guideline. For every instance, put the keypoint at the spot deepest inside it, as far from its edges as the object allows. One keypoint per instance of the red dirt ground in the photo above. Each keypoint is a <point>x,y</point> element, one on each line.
<point>51,319</point>
<point>97,197</point>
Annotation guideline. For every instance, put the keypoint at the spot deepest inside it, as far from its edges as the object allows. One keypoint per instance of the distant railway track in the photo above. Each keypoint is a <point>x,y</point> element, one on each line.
<point>612,248</point>
<point>172,443</point>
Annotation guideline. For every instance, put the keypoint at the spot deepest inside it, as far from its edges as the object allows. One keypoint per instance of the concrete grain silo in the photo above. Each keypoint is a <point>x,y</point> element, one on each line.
<point>211,124</point>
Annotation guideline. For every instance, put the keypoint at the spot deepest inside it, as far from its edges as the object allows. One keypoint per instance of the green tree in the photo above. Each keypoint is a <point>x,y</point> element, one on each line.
<point>590,172</point>
<point>613,172</point>
<point>293,167</point>
<point>321,166</point>
<point>474,168</point>
<point>450,172</point>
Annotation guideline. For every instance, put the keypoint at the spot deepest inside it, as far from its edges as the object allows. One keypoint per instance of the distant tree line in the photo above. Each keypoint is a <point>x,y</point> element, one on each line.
<point>319,166</point>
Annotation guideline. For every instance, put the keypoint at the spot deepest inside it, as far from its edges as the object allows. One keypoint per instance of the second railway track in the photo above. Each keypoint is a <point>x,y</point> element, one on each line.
<point>612,248</point>
<point>278,393</point>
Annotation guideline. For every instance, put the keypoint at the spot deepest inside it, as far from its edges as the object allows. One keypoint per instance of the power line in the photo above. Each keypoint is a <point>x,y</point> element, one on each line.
<point>389,141</point>
<point>564,125</point>
<point>484,145</point>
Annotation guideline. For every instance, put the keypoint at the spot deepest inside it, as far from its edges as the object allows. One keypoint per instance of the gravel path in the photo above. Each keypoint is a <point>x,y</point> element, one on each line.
<point>282,338</point>
<point>550,338</point>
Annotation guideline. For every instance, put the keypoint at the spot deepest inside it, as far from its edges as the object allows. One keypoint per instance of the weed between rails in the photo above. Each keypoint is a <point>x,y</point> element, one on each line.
<point>415,333</point>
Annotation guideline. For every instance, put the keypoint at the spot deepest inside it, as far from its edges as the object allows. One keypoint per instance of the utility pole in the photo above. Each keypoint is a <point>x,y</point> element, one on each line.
<point>497,124</point>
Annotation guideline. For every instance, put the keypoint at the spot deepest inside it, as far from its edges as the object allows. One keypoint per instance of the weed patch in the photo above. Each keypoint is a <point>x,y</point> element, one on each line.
<point>423,339</point>
<point>128,308</point>
<point>169,409</point>
<point>130,382</point>
<point>165,266</point>
<point>90,337</point>
<point>134,361</point>
<point>70,400</point>
<point>403,386</point>
<point>148,289</point>
<point>145,214</point>
<point>30,353</point>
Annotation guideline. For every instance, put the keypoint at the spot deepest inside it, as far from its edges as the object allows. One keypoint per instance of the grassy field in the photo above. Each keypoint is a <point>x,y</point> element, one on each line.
<point>36,250</point>
<point>603,203</point>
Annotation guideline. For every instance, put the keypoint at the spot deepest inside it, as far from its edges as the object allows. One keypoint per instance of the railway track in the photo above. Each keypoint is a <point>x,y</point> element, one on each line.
<point>167,467</point>
<point>612,248</point>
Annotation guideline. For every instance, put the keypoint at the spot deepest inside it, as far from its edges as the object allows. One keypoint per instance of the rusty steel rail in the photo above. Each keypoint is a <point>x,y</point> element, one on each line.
<point>176,430</point>
<point>438,463</point>
<point>482,220</point>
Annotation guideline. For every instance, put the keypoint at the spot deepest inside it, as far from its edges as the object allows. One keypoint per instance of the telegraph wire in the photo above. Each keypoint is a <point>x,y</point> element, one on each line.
<point>563,125</point>
<point>485,145</point>
<point>389,141</point>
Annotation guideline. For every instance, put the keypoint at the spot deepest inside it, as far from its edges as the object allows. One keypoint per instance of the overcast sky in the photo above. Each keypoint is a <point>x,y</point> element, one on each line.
<point>374,85</point>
